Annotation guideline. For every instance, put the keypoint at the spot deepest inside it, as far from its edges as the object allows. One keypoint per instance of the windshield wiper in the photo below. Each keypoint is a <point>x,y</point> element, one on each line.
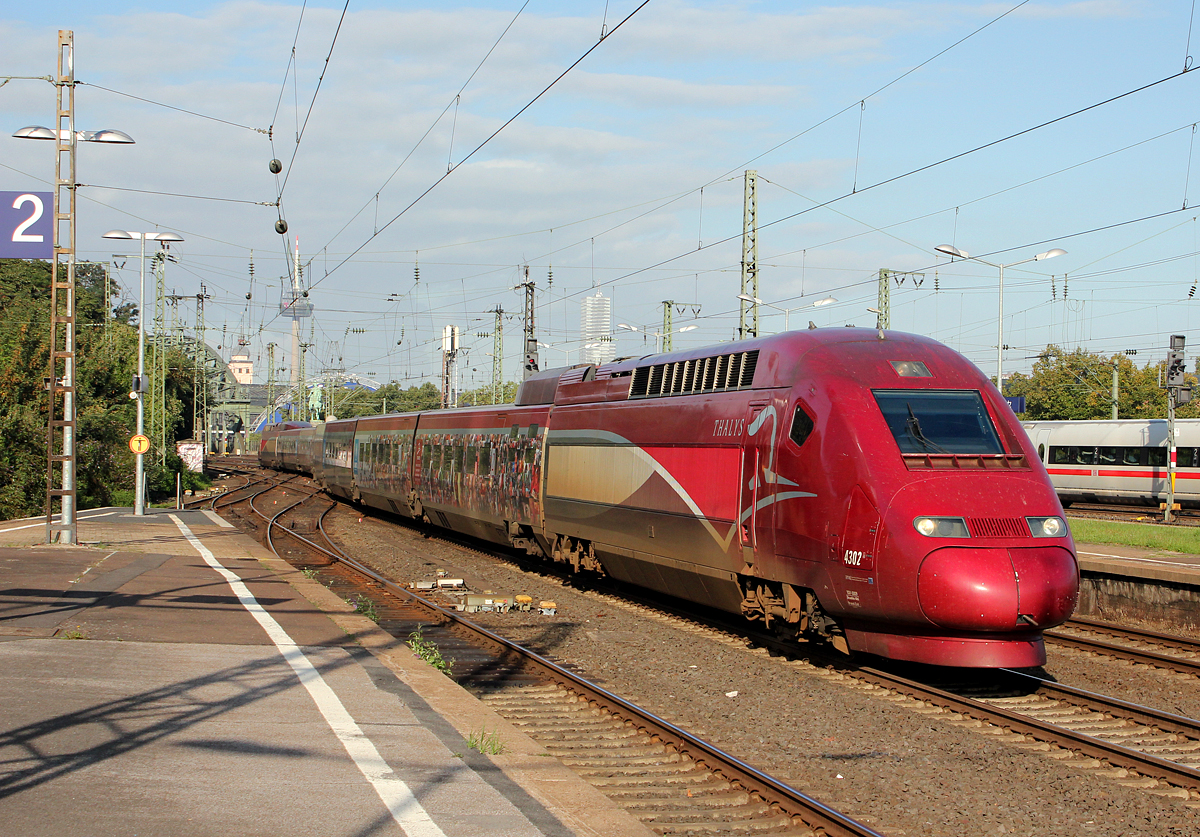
<point>913,428</point>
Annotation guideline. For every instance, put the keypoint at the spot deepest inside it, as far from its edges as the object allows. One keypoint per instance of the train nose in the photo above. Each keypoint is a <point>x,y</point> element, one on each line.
<point>998,589</point>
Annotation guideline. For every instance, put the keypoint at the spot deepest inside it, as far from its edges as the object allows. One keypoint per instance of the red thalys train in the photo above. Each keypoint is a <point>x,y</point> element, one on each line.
<point>871,488</point>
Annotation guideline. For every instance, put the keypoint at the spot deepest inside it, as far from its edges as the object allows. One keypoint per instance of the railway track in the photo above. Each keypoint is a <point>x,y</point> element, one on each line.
<point>1137,746</point>
<point>1174,653</point>
<point>671,780</point>
<point>1130,513</point>
<point>1134,745</point>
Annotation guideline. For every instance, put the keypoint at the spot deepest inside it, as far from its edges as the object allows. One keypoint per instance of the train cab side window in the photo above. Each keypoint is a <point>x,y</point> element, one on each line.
<point>802,426</point>
<point>1042,452</point>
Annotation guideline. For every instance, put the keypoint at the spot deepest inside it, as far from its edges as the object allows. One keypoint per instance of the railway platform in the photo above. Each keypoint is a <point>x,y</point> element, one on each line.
<point>171,676</point>
<point>1123,584</point>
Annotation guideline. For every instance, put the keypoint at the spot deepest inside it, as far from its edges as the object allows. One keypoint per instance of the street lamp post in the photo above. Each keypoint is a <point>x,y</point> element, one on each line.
<point>62,313</point>
<point>567,352</point>
<point>658,337</point>
<point>139,390</point>
<point>787,311</point>
<point>954,252</point>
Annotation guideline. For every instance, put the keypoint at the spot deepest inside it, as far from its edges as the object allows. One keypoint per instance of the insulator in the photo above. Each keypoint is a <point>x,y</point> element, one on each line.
<point>1192,292</point>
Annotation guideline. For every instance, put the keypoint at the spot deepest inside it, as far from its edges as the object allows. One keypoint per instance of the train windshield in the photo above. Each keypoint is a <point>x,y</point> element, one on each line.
<point>933,421</point>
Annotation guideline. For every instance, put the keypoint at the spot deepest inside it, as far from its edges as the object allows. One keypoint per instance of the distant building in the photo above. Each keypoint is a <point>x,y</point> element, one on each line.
<point>596,329</point>
<point>242,368</point>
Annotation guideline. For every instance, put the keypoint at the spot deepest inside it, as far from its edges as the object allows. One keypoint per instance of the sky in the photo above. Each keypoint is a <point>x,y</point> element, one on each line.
<point>433,152</point>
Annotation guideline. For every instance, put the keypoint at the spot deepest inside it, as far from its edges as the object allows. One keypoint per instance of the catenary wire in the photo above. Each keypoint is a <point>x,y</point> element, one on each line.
<point>492,136</point>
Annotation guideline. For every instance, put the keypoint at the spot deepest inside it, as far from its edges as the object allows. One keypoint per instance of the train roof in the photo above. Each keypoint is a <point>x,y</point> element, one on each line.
<point>287,425</point>
<point>1111,432</point>
<point>759,363</point>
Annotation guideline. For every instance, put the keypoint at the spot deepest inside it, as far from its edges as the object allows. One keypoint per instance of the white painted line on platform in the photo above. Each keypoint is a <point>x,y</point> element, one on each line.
<point>43,523</point>
<point>395,793</point>
<point>217,519</point>
<point>1178,564</point>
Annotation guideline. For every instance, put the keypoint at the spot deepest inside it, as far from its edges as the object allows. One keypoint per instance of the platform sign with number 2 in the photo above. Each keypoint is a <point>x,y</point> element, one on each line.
<point>26,225</point>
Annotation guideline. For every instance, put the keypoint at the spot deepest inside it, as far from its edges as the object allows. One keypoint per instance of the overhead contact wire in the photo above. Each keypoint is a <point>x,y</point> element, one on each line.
<point>492,136</point>
<point>453,102</point>
<point>927,167</point>
<point>312,103</point>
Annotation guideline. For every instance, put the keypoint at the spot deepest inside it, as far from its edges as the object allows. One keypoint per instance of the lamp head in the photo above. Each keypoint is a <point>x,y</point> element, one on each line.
<point>1049,254</point>
<point>118,234</point>
<point>34,132</point>
<point>110,135</point>
<point>951,250</point>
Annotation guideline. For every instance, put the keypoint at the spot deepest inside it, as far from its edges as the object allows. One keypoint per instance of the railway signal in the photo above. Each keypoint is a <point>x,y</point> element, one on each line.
<point>1177,393</point>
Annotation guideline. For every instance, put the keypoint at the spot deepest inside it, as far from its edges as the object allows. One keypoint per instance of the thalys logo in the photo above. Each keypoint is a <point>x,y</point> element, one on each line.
<point>729,428</point>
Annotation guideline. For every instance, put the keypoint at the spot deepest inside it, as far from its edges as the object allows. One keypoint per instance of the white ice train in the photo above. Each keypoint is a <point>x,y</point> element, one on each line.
<point>1122,461</point>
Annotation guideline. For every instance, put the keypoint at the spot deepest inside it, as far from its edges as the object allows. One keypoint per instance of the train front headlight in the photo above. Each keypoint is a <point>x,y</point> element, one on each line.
<point>942,527</point>
<point>1046,527</point>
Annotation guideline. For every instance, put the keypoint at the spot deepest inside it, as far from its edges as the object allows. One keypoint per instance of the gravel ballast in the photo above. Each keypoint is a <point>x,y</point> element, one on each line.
<point>890,763</point>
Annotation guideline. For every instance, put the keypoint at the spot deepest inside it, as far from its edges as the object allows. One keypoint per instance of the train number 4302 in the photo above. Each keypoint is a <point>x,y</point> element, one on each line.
<point>854,558</point>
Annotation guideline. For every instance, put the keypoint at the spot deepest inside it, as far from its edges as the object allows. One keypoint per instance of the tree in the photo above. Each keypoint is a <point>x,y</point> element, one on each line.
<point>1077,385</point>
<point>390,398</point>
<point>106,359</point>
<point>483,395</point>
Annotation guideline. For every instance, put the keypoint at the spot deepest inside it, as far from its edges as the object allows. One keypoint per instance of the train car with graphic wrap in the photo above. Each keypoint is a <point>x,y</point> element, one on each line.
<point>869,488</point>
<point>279,444</point>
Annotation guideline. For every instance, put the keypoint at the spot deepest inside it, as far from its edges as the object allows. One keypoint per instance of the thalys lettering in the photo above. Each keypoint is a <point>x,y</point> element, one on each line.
<point>729,427</point>
<point>588,463</point>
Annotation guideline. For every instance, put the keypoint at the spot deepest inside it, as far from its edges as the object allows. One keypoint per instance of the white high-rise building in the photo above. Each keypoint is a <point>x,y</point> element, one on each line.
<point>596,329</point>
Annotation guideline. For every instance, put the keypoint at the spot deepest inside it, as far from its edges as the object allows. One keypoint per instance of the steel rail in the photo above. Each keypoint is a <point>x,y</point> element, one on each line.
<point>212,501</point>
<point>1153,658</point>
<point>1181,643</point>
<point>1144,763</point>
<point>1166,721</point>
<point>796,803</point>
<point>790,801</point>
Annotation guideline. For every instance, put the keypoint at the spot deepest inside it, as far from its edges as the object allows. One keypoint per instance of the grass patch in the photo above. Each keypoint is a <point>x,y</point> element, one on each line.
<point>74,633</point>
<point>485,742</point>
<point>310,572</point>
<point>428,651</point>
<point>1185,539</point>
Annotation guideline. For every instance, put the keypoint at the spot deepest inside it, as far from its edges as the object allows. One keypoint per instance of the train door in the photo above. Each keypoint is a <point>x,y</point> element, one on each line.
<point>756,520</point>
<point>859,542</point>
